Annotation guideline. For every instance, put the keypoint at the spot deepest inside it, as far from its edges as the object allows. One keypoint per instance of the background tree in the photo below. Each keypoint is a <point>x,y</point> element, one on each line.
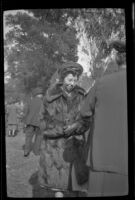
<point>41,44</point>
<point>103,26</point>
<point>37,45</point>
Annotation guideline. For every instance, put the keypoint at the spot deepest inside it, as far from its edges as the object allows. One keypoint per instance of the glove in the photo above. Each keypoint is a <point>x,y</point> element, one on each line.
<point>70,129</point>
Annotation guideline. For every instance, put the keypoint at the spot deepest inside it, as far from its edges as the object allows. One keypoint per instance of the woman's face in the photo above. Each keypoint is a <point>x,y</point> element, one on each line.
<point>70,82</point>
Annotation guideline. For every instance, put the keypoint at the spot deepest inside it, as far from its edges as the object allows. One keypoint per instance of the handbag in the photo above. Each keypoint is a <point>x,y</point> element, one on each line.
<point>76,152</point>
<point>81,169</point>
<point>69,154</point>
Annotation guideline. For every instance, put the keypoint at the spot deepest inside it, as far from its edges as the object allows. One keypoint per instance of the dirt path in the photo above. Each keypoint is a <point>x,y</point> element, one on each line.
<point>19,168</point>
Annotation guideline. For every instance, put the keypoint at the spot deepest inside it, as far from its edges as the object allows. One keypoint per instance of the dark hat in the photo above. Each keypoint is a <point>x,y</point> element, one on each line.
<point>70,67</point>
<point>119,46</point>
<point>37,91</point>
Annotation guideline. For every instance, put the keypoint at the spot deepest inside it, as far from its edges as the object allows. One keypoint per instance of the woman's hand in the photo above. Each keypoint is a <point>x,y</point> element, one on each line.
<point>70,128</point>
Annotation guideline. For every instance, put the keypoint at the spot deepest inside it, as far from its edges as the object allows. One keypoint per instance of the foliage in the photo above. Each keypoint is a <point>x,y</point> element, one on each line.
<point>41,44</point>
<point>105,30</point>
<point>37,45</point>
<point>104,26</point>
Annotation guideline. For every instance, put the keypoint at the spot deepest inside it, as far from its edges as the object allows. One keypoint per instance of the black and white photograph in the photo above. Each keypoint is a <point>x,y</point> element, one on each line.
<point>65,96</point>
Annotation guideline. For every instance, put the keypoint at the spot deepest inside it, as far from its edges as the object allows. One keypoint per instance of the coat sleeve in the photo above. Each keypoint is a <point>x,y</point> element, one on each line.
<point>87,111</point>
<point>25,111</point>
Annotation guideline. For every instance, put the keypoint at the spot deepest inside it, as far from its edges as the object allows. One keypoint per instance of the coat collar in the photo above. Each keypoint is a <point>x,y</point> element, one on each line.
<point>57,91</point>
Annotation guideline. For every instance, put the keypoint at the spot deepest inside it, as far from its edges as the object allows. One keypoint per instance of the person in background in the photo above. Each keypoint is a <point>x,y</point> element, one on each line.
<point>108,155</point>
<point>6,118</point>
<point>32,123</point>
<point>20,116</point>
<point>12,119</point>
<point>62,165</point>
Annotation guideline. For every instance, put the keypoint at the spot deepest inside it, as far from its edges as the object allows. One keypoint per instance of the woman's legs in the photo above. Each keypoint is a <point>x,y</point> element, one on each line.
<point>14,127</point>
<point>9,130</point>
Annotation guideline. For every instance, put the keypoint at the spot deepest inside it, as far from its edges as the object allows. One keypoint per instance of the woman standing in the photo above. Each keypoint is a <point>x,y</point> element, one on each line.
<point>62,123</point>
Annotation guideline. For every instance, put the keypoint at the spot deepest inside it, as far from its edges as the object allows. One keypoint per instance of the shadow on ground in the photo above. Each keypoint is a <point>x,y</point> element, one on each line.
<point>40,192</point>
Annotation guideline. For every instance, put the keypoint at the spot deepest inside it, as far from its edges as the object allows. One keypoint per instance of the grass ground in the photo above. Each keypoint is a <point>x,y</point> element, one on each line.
<point>19,168</point>
<point>22,171</point>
